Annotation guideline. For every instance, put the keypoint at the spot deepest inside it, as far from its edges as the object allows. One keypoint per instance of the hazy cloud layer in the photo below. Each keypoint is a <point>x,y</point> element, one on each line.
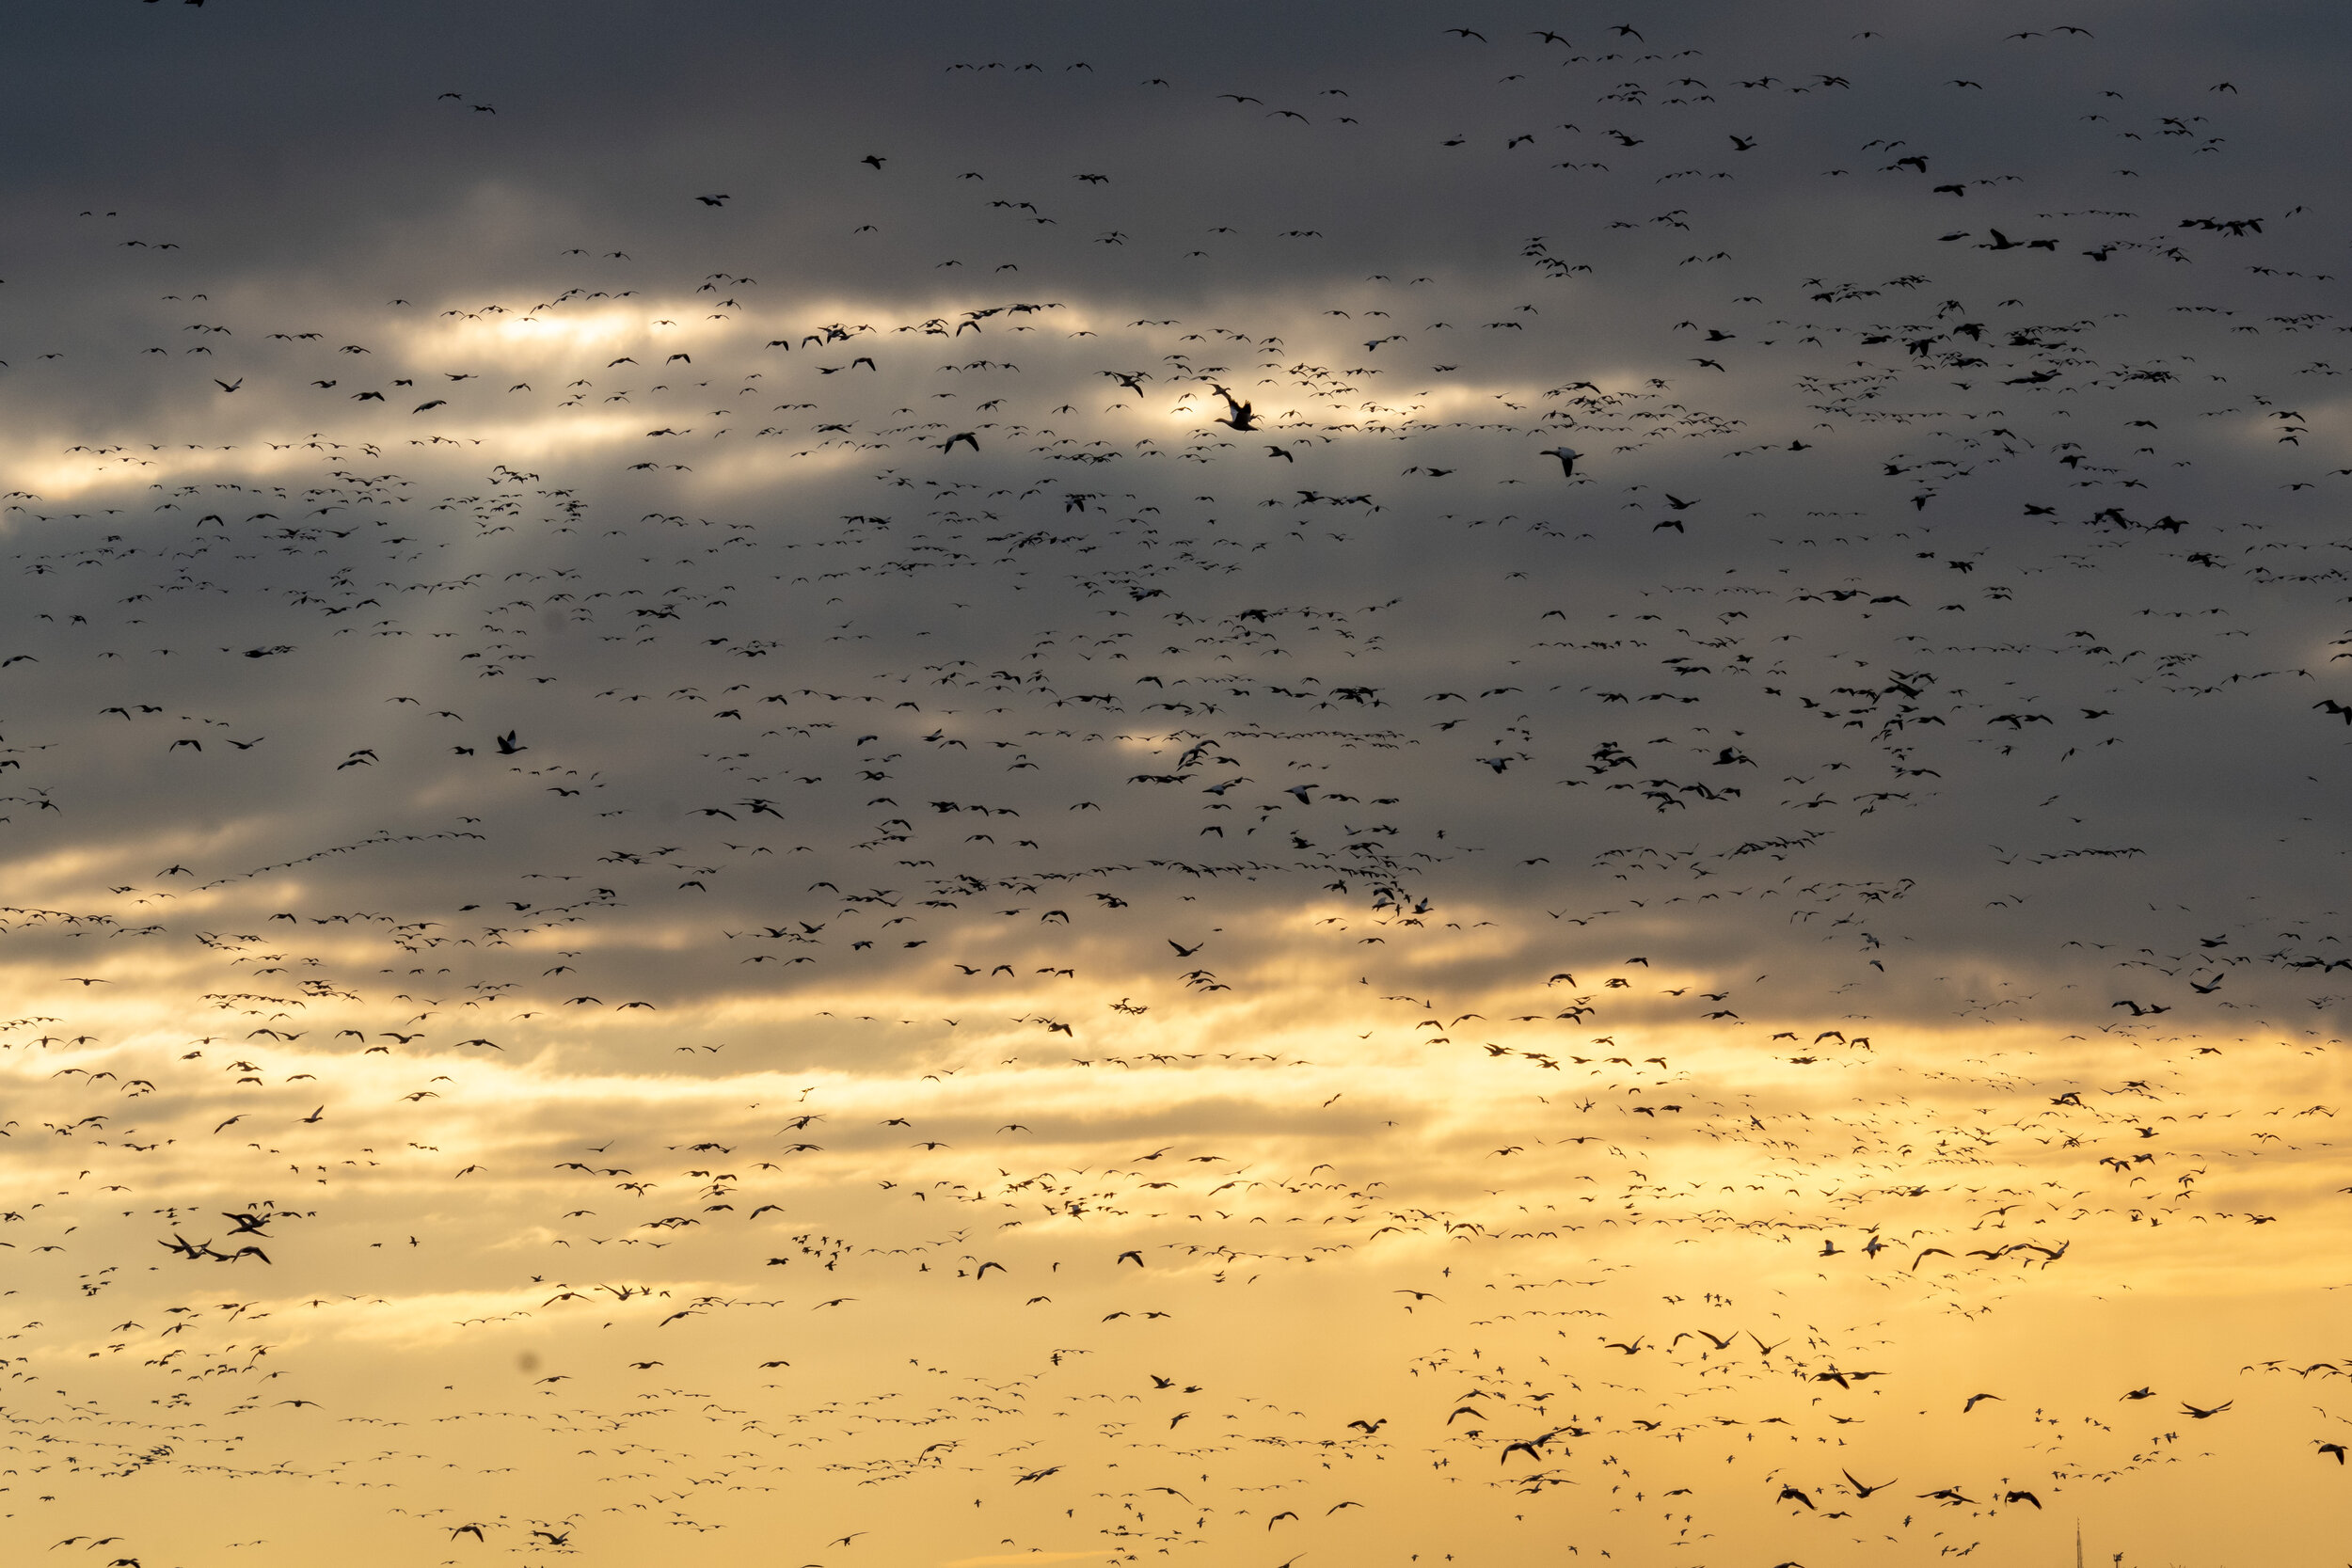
<point>869,786</point>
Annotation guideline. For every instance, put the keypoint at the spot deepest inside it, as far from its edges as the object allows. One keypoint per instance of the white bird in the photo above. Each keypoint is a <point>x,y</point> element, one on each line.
<point>1567,456</point>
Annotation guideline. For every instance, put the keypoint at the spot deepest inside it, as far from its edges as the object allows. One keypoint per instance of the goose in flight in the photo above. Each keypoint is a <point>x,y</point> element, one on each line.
<point>1239,417</point>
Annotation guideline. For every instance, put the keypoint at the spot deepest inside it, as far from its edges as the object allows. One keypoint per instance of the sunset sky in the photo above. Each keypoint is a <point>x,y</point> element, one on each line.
<point>937,785</point>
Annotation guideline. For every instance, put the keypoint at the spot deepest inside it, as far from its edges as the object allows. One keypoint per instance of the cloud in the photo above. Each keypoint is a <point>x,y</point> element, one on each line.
<point>714,938</point>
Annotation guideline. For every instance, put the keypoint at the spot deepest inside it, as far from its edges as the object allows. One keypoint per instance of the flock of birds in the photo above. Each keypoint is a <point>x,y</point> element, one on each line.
<point>659,915</point>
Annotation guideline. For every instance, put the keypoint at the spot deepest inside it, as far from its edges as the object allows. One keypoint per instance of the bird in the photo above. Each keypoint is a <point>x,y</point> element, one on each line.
<point>1238,414</point>
<point>1567,456</point>
<point>1864,1492</point>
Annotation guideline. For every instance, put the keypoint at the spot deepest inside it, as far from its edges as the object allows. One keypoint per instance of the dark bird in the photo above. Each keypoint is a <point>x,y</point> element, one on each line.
<point>1239,415</point>
<point>1864,1492</point>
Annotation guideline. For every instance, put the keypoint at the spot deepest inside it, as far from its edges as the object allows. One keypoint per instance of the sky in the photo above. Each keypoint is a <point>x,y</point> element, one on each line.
<point>945,785</point>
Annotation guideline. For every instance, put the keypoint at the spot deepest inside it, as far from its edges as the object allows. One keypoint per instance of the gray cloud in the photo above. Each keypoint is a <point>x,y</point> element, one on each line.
<point>512,681</point>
